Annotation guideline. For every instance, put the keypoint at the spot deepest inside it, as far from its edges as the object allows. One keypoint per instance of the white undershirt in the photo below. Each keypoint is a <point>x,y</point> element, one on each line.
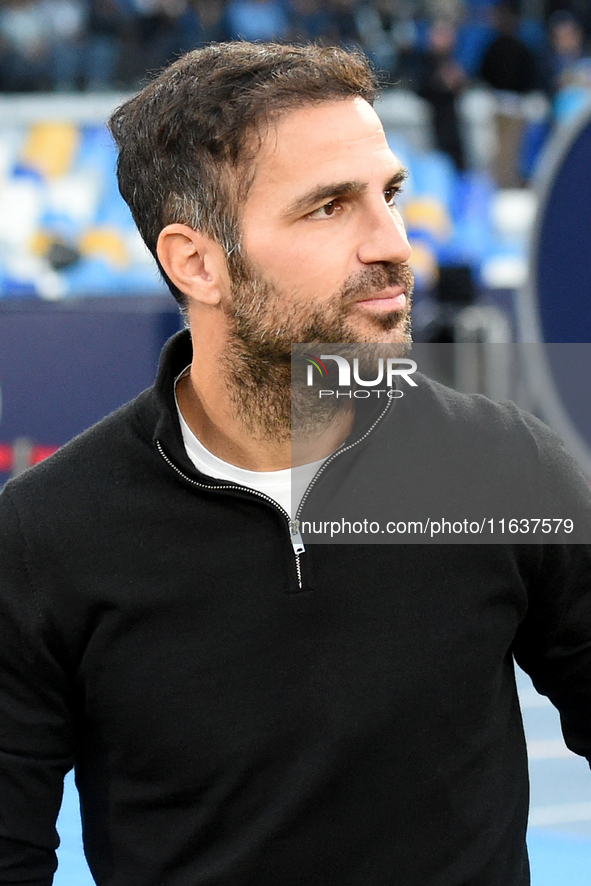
<point>286,487</point>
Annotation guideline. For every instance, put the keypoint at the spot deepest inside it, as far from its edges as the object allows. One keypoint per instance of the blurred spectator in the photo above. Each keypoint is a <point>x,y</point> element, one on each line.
<point>441,82</point>
<point>376,26</point>
<point>164,30</point>
<point>110,27</point>
<point>24,48</point>
<point>579,9</point>
<point>211,21</point>
<point>567,40</point>
<point>257,20</point>
<point>344,12</point>
<point>510,68</point>
<point>313,20</point>
<point>569,67</point>
<point>409,55</point>
<point>41,44</point>
<point>66,22</point>
<point>508,64</point>
<point>452,11</point>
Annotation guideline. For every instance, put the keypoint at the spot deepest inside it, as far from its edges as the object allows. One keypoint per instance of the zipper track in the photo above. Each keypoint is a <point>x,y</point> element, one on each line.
<point>217,488</point>
<point>293,525</point>
<point>338,452</point>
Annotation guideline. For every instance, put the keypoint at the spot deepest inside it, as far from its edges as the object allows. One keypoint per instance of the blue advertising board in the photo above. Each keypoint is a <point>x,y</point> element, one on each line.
<point>555,305</point>
<point>63,366</point>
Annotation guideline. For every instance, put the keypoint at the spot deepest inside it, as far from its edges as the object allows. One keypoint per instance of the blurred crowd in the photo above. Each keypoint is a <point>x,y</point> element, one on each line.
<point>487,80</point>
<point>436,48</point>
<point>433,46</point>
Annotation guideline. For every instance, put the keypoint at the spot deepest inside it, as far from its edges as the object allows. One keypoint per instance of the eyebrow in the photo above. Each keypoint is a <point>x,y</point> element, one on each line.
<point>339,189</point>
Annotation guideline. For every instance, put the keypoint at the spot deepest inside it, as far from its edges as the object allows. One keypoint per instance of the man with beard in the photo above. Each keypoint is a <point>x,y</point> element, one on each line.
<point>242,707</point>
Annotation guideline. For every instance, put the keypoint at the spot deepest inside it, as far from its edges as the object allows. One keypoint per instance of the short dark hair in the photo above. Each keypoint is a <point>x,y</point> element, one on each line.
<point>186,140</point>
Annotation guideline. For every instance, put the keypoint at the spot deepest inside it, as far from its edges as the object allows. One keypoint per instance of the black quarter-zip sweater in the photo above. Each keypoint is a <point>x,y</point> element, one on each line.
<point>235,722</point>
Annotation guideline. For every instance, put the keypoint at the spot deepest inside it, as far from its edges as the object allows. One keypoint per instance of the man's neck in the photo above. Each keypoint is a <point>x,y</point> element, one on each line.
<point>206,405</point>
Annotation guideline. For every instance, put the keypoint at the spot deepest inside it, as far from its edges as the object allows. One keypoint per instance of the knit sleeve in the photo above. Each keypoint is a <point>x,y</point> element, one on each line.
<point>553,643</point>
<point>36,735</point>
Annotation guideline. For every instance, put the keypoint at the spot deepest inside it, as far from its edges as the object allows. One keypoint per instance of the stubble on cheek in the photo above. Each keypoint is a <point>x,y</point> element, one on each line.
<point>266,317</point>
<point>265,322</point>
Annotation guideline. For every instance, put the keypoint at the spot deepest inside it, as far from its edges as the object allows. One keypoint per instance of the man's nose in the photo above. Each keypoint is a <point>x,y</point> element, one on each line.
<point>383,236</point>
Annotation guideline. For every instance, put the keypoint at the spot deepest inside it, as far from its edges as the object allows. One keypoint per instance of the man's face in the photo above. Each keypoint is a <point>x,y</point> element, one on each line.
<point>324,253</point>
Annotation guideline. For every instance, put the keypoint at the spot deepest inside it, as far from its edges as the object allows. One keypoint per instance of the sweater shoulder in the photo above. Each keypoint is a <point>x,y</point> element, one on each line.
<point>472,437</point>
<point>475,412</point>
<point>81,468</point>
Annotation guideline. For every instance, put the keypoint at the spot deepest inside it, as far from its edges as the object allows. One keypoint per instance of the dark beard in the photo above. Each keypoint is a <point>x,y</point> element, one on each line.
<point>258,359</point>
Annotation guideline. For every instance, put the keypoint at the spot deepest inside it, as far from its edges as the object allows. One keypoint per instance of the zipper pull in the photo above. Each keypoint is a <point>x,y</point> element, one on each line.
<point>296,538</point>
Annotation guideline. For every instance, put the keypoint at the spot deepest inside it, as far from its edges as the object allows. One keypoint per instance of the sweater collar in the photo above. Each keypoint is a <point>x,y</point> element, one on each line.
<point>176,356</point>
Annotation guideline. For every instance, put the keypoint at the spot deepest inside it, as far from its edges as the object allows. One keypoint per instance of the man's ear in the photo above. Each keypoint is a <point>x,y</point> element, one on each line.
<point>194,262</point>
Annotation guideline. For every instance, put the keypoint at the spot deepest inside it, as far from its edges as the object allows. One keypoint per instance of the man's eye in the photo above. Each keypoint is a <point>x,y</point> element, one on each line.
<point>325,211</point>
<point>390,195</point>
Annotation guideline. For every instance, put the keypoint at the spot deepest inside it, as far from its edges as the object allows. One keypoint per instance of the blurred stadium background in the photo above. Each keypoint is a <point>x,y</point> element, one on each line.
<point>489,106</point>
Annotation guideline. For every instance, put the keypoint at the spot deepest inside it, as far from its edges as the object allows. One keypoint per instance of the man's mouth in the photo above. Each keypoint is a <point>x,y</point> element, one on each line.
<point>393,298</point>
